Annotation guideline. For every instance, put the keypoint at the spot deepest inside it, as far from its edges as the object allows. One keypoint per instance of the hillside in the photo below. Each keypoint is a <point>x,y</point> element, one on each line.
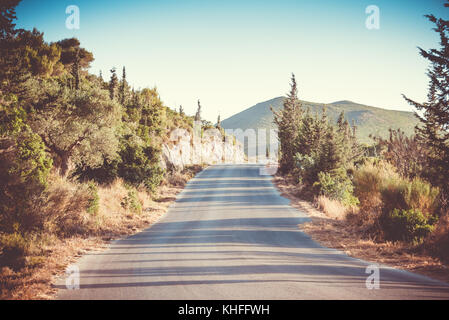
<point>369,120</point>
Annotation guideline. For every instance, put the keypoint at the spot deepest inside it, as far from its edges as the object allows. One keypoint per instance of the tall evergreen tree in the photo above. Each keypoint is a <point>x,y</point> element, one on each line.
<point>123,87</point>
<point>113,84</point>
<point>288,121</point>
<point>7,17</point>
<point>434,128</point>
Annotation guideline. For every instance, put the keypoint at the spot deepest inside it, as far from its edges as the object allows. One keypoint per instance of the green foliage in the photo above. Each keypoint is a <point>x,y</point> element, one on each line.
<point>406,225</point>
<point>401,193</point>
<point>77,126</point>
<point>324,148</point>
<point>131,201</point>
<point>381,191</point>
<point>139,163</point>
<point>288,121</point>
<point>337,186</point>
<point>72,53</point>
<point>52,111</point>
<point>25,167</point>
<point>434,129</point>
<point>94,199</point>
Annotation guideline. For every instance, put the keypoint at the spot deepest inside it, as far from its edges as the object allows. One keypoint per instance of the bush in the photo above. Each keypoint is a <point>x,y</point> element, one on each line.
<point>94,200</point>
<point>13,248</point>
<point>137,164</point>
<point>131,201</point>
<point>65,206</point>
<point>337,186</point>
<point>140,164</point>
<point>23,178</point>
<point>368,182</point>
<point>406,225</point>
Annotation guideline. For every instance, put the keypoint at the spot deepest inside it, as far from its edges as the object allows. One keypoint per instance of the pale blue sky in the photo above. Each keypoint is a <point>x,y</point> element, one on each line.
<point>234,54</point>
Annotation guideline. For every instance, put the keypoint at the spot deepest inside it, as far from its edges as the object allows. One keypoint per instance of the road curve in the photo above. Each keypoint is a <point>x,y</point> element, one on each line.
<point>230,235</point>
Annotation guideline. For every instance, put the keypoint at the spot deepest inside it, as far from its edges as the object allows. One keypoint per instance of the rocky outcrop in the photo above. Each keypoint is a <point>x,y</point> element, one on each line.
<point>187,149</point>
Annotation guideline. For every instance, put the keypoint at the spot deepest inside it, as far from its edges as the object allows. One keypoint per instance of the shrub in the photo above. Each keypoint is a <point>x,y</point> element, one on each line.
<point>13,248</point>
<point>337,186</point>
<point>368,182</point>
<point>94,200</point>
<point>23,177</point>
<point>65,206</point>
<point>381,190</point>
<point>406,225</point>
<point>131,201</point>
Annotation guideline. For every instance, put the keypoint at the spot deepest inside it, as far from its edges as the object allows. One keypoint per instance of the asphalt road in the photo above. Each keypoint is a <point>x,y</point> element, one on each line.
<point>230,235</point>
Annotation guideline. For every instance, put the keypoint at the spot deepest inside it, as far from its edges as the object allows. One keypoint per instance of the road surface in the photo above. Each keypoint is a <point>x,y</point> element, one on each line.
<point>230,235</point>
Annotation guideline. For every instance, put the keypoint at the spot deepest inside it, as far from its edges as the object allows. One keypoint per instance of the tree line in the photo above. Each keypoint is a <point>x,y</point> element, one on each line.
<point>56,118</point>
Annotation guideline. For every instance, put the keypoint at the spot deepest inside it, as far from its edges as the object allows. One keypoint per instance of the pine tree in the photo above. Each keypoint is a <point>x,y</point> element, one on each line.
<point>434,129</point>
<point>288,121</point>
<point>113,84</point>
<point>198,112</point>
<point>123,87</point>
<point>7,17</point>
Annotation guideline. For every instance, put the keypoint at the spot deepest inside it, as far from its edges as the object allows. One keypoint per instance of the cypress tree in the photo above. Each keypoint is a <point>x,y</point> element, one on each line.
<point>123,87</point>
<point>113,84</point>
<point>288,121</point>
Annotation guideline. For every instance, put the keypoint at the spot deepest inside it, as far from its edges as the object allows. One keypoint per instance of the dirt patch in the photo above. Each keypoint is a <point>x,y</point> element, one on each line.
<point>34,282</point>
<point>337,233</point>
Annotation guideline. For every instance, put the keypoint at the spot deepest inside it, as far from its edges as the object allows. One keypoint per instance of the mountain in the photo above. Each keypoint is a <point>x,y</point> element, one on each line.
<point>369,120</point>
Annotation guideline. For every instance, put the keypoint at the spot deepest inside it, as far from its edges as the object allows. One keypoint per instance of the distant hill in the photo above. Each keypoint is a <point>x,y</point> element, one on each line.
<point>369,120</point>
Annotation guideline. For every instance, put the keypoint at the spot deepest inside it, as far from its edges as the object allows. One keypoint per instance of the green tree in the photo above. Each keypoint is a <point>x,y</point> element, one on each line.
<point>288,121</point>
<point>123,87</point>
<point>113,83</point>
<point>24,169</point>
<point>434,129</point>
<point>77,126</point>
<point>7,17</point>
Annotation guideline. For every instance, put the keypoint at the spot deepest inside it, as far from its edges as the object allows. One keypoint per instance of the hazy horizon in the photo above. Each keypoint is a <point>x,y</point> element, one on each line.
<point>234,55</point>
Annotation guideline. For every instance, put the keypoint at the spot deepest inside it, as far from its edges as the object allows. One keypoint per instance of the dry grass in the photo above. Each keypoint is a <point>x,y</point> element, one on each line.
<point>332,208</point>
<point>52,253</point>
<point>337,233</point>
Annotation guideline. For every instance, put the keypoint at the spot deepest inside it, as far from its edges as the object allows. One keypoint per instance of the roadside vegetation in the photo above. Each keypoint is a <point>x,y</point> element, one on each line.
<point>79,154</point>
<point>393,191</point>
